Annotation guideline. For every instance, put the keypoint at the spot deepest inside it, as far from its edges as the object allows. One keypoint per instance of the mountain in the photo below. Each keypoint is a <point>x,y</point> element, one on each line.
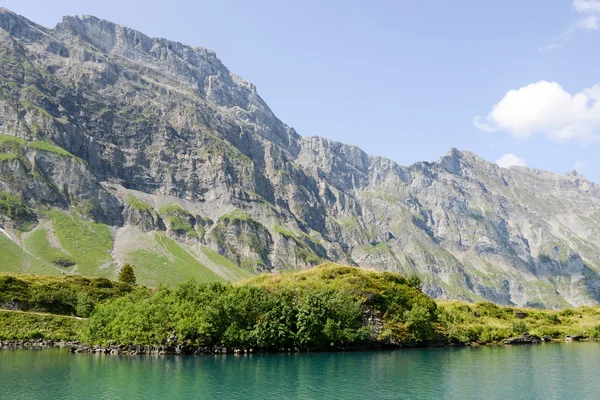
<point>116,147</point>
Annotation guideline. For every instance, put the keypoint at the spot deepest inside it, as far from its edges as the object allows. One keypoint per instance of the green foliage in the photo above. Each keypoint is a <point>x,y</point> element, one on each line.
<point>59,295</point>
<point>319,308</point>
<point>322,308</point>
<point>519,327</point>
<point>243,316</point>
<point>490,323</point>
<point>14,208</point>
<point>85,305</point>
<point>419,323</point>
<point>414,282</point>
<point>595,332</point>
<point>127,275</point>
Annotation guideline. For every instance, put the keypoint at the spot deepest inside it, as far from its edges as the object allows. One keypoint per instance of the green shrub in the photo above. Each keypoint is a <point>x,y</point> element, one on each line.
<point>84,305</point>
<point>419,323</point>
<point>519,327</point>
<point>595,332</point>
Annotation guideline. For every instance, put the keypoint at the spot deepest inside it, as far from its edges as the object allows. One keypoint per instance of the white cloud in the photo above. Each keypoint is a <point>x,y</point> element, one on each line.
<point>590,22</point>
<point>546,108</point>
<point>579,165</point>
<point>508,160</point>
<point>589,19</point>
<point>587,6</point>
<point>559,41</point>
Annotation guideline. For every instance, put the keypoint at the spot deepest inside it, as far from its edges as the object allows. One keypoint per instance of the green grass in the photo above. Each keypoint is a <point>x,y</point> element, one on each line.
<point>303,251</point>
<point>13,257</point>
<point>137,204</point>
<point>236,272</point>
<point>488,323</point>
<point>8,157</point>
<point>170,265</point>
<point>37,243</point>
<point>14,208</point>
<point>89,243</point>
<point>178,220</point>
<point>235,216</point>
<point>45,146</point>
<point>11,144</point>
<point>16,260</point>
<point>67,295</point>
<point>11,147</point>
<point>15,325</point>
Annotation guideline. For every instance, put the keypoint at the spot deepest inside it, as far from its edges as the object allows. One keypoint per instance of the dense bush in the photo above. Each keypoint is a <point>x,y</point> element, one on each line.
<point>320,308</point>
<point>240,316</point>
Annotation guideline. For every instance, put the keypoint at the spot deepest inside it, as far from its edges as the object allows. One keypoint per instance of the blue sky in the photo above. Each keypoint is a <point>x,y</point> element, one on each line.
<point>511,80</point>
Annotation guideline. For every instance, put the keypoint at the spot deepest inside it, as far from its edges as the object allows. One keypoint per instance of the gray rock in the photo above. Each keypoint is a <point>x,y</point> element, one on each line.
<point>167,122</point>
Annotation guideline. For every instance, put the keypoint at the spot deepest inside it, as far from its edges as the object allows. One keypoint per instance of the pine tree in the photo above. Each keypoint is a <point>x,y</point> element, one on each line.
<point>126,275</point>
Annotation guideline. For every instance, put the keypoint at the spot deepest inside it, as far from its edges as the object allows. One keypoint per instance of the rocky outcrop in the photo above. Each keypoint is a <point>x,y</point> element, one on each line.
<point>100,112</point>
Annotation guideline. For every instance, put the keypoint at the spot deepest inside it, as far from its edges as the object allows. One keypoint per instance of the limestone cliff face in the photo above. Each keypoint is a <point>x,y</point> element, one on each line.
<point>161,136</point>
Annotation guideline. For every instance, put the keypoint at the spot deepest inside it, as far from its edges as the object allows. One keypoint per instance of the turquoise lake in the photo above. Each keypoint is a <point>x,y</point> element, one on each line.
<point>547,371</point>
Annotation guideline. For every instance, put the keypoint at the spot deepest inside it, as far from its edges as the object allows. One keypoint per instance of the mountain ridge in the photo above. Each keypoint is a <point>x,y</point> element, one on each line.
<point>188,168</point>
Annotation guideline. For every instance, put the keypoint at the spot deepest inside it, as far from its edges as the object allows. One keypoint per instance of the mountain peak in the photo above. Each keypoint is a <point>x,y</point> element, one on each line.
<point>18,26</point>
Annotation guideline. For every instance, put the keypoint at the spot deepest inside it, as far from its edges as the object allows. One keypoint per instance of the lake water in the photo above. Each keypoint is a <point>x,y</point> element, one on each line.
<point>548,371</point>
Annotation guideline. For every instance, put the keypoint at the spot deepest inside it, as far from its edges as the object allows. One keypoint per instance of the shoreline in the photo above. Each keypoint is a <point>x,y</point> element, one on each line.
<point>181,349</point>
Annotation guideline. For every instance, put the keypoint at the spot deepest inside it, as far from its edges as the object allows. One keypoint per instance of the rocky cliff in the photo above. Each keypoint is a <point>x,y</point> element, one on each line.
<point>117,147</point>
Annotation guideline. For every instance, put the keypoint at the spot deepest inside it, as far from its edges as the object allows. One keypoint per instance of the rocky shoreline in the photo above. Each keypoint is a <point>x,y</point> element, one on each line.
<point>77,347</point>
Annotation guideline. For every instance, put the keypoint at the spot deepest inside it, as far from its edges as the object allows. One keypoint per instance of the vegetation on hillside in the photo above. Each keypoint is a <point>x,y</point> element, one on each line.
<point>14,208</point>
<point>319,308</point>
<point>178,220</point>
<point>15,325</point>
<point>489,323</point>
<point>327,307</point>
<point>68,295</point>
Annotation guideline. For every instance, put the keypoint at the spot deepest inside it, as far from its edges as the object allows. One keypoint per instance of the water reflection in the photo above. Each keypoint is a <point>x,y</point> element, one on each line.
<point>549,371</point>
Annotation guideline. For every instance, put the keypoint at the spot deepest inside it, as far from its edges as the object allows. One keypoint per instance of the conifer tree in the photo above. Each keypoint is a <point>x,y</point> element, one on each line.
<point>127,275</point>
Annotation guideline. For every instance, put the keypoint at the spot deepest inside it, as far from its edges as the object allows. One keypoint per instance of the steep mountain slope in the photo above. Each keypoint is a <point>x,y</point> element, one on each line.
<point>175,164</point>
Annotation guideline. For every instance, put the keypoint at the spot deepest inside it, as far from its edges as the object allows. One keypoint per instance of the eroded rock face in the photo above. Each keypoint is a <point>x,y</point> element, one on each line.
<point>171,123</point>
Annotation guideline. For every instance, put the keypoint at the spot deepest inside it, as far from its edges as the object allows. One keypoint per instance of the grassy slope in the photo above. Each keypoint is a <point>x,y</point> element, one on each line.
<point>233,271</point>
<point>170,264</point>
<point>15,259</point>
<point>88,243</point>
<point>37,243</point>
<point>16,325</point>
<point>158,259</point>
